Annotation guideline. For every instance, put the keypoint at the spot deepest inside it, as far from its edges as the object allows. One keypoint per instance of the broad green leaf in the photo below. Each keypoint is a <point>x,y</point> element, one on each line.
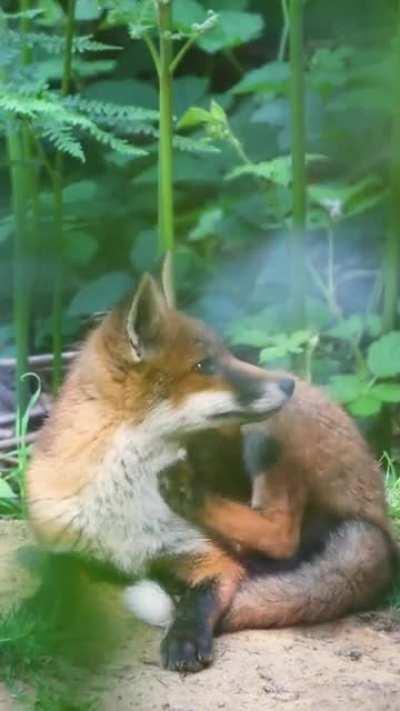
<point>100,294</point>
<point>365,406</point>
<point>188,91</point>
<point>341,200</point>
<point>81,191</point>
<point>278,170</point>
<point>346,388</point>
<point>250,337</point>
<point>144,251</point>
<point>384,356</point>
<point>80,248</point>
<point>299,338</point>
<point>271,78</point>
<point>347,329</point>
<point>186,13</point>
<point>194,116</point>
<point>387,392</point>
<point>272,353</point>
<point>233,29</point>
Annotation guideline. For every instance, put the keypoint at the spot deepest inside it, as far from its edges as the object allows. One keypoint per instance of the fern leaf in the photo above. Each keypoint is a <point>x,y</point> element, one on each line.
<point>52,45</point>
<point>107,110</point>
<point>49,109</point>
<point>198,145</point>
<point>62,139</point>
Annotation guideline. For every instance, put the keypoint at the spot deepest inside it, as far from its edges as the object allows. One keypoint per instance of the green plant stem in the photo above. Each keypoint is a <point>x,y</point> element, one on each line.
<point>16,157</point>
<point>58,212</point>
<point>285,31</point>
<point>165,170</point>
<point>297,98</point>
<point>391,257</point>
<point>391,254</point>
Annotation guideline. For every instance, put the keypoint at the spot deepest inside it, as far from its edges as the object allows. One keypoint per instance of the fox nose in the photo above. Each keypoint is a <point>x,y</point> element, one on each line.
<point>287,386</point>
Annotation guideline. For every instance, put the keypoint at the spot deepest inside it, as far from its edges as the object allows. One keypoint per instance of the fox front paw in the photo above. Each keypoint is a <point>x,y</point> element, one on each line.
<point>187,650</point>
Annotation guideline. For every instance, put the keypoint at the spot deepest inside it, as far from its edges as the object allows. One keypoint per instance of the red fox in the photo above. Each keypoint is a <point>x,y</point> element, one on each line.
<point>316,543</point>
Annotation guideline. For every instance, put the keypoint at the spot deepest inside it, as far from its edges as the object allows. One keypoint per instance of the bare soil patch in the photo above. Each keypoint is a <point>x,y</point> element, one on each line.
<point>350,665</point>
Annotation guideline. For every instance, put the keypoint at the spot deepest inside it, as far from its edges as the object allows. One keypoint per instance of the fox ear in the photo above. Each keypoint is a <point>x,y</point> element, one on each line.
<point>145,318</point>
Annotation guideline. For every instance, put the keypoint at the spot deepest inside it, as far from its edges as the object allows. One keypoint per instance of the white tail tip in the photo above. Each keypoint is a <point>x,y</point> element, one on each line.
<point>150,603</point>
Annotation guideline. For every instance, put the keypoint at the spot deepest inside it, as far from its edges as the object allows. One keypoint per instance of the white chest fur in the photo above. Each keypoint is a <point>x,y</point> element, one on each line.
<point>123,517</point>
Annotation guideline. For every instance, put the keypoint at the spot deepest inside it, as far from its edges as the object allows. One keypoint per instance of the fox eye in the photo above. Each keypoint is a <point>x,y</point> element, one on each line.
<point>207,366</point>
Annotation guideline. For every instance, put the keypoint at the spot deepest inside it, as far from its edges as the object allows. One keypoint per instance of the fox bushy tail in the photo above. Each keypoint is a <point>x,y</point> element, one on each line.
<point>353,571</point>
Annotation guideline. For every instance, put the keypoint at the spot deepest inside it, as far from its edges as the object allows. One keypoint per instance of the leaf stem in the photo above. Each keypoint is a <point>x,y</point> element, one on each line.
<point>285,31</point>
<point>153,51</point>
<point>58,211</point>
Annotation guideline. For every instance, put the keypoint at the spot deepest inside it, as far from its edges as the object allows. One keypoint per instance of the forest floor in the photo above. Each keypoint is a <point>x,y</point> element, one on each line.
<point>352,664</point>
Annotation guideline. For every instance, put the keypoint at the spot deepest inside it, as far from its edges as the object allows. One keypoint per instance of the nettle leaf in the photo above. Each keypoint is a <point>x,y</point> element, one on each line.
<point>271,78</point>
<point>348,329</point>
<point>384,356</point>
<point>100,294</point>
<point>81,191</point>
<point>278,170</point>
<point>365,406</point>
<point>341,200</point>
<point>206,224</point>
<point>272,353</point>
<point>386,392</point>
<point>346,388</point>
<point>232,29</point>
<point>186,13</point>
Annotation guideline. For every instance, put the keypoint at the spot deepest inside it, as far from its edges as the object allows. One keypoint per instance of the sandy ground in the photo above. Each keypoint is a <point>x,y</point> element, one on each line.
<point>350,665</point>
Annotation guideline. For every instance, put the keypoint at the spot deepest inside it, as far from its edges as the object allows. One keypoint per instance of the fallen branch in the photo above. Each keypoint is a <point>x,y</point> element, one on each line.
<point>16,442</point>
<point>37,360</point>
<point>10,417</point>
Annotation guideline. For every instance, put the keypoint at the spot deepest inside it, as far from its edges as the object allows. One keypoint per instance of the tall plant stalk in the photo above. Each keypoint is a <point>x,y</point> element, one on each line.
<point>391,257</point>
<point>20,162</point>
<point>16,158</point>
<point>297,100</point>
<point>58,211</point>
<point>165,164</point>
<point>391,253</point>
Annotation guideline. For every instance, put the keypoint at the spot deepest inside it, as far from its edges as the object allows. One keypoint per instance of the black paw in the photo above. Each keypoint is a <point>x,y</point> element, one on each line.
<point>187,650</point>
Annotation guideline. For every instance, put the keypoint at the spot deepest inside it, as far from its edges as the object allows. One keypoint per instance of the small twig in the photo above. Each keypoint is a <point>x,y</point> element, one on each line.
<point>42,359</point>
<point>8,459</point>
<point>15,442</point>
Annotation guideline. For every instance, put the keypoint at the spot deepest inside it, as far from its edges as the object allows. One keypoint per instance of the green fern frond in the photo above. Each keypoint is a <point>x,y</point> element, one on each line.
<point>52,45</point>
<point>198,145</point>
<point>109,111</point>
<point>47,108</point>
<point>62,138</point>
<point>22,15</point>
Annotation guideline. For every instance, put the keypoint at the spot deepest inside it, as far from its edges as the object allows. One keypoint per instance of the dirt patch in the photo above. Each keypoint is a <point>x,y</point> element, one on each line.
<point>352,664</point>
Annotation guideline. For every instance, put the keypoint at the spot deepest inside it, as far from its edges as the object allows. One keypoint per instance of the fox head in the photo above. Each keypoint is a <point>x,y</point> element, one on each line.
<point>170,372</point>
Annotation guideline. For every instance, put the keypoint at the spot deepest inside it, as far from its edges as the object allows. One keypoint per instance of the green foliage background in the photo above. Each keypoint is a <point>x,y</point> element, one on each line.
<point>232,177</point>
